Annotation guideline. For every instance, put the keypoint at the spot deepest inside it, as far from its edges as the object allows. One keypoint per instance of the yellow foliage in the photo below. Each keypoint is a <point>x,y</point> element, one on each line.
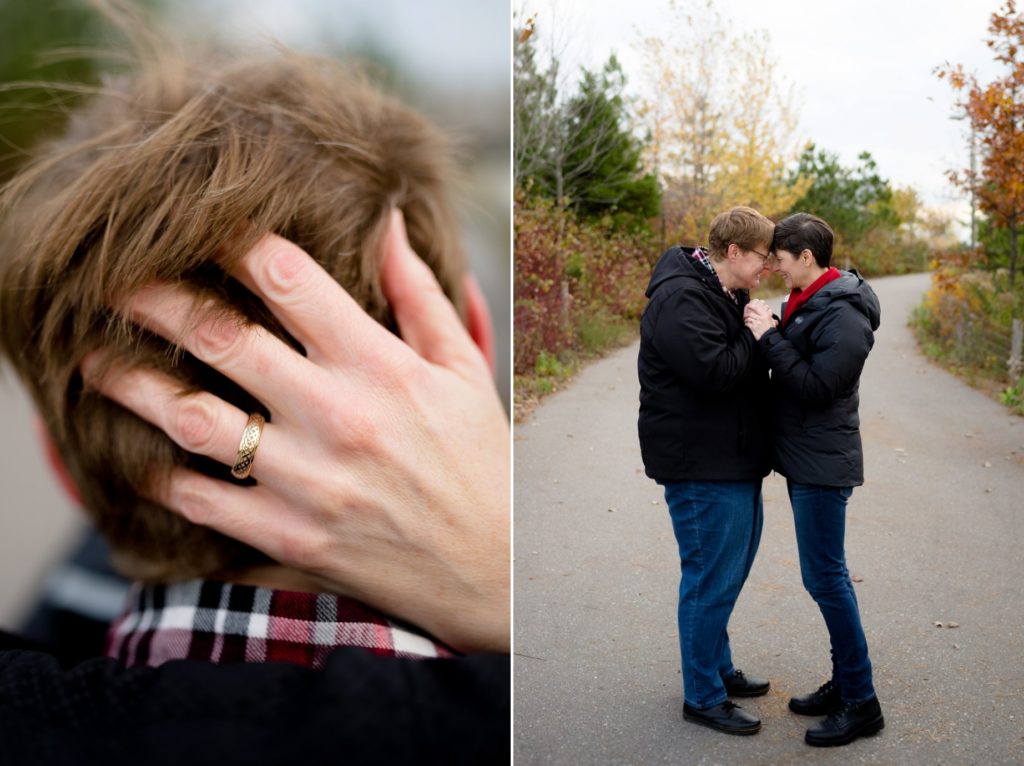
<point>720,121</point>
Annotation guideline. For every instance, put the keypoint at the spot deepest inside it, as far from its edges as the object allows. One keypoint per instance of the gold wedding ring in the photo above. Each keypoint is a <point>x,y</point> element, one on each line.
<point>247,448</point>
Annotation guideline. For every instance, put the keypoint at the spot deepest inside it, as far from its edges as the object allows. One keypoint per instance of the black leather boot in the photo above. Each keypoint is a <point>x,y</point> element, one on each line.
<point>844,724</point>
<point>821,702</point>
<point>739,685</point>
<point>728,717</point>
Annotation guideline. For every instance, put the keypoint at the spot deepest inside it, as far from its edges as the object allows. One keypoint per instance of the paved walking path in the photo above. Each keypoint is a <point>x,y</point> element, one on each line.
<point>937,534</point>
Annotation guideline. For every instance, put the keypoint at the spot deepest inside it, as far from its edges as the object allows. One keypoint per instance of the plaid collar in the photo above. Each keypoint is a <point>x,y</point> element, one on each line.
<point>222,622</point>
<point>701,257</point>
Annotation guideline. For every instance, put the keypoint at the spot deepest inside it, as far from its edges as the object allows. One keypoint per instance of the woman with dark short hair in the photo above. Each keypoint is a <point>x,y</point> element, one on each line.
<point>816,354</point>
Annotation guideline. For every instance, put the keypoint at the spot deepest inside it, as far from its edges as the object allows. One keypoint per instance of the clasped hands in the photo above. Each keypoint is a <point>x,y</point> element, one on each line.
<point>757,316</point>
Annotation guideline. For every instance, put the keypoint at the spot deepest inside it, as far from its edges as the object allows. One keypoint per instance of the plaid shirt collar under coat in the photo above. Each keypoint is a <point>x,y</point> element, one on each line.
<point>222,622</point>
<point>701,257</point>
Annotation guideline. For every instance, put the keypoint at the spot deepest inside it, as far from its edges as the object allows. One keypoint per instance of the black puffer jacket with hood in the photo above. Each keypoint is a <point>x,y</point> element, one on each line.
<point>816,361</point>
<point>704,389</point>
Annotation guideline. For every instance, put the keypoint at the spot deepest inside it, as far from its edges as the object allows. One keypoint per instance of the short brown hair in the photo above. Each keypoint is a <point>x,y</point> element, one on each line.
<point>173,175</point>
<point>743,226</point>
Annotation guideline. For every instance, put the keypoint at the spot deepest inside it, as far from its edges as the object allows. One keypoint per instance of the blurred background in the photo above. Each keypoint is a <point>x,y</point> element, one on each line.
<point>451,59</point>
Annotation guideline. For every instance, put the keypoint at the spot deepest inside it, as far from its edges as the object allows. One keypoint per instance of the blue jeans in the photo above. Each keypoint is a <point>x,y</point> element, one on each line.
<point>819,514</point>
<point>718,527</point>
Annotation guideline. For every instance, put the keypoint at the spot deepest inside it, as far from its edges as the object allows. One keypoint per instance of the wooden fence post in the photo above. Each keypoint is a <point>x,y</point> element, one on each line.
<point>961,329</point>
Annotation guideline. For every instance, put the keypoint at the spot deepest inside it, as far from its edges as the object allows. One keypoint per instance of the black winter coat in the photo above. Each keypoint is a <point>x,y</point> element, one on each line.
<point>358,709</point>
<point>816,361</point>
<point>703,386</point>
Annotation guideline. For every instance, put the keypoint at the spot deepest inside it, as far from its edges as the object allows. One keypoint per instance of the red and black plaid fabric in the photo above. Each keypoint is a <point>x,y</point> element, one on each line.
<point>222,622</point>
<point>701,257</point>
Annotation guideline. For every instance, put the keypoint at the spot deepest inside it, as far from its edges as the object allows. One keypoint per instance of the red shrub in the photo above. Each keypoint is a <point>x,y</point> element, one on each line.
<point>565,270</point>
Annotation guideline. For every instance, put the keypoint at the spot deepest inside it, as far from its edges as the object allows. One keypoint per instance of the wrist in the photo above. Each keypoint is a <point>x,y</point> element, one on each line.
<point>476,622</point>
<point>768,335</point>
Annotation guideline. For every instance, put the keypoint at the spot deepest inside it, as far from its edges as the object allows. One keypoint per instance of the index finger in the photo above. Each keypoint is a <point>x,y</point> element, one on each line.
<point>311,305</point>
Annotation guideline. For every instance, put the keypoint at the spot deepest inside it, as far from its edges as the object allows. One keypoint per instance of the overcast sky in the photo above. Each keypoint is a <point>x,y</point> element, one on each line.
<point>460,43</point>
<point>862,70</point>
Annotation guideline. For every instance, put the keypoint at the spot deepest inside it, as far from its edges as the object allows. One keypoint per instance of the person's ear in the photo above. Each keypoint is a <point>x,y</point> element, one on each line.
<point>478,317</point>
<point>733,251</point>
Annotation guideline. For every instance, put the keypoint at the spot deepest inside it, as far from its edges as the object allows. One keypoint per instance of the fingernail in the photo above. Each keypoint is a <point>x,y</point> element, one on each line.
<point>398,230</point>
<point>398,220</point>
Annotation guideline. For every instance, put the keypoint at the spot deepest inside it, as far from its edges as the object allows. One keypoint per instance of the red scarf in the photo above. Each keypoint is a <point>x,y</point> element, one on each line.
<point>799,297</point>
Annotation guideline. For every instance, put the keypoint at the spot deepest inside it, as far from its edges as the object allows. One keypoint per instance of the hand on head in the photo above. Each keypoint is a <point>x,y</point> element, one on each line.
<point>384,471</point>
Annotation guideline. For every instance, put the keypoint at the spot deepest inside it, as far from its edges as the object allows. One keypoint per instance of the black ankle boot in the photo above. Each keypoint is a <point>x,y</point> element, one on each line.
<point>844,724</point>
<point>741,685</point>
<point>821,702</point>
<point>728,717</point>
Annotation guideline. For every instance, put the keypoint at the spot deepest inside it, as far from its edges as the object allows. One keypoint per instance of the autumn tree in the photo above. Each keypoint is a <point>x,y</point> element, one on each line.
<point>996,114</point>
<point>753,164</point>
<point>682,111</point>
<point>721,122</point>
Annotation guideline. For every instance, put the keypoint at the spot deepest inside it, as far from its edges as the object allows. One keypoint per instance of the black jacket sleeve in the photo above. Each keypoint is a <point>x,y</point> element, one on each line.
<point>359,709</point>
<point>840,345</point>
<point>691,337</point>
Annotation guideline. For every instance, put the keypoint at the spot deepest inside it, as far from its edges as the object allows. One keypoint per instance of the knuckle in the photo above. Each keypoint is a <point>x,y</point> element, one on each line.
<point>302,548</point>
<point>285,268</point>
<point>340,415</point>
<point>376,363</point>
<point>393,368</point>
<point>218,337</point>
<point>316,550</point>
<point>407,371</point>
<point>475,368</point>
<point>291,548</point>
<point>195,424</point>
<point>352,429</point>
<point>323,402</point>
<point>189,498</point>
